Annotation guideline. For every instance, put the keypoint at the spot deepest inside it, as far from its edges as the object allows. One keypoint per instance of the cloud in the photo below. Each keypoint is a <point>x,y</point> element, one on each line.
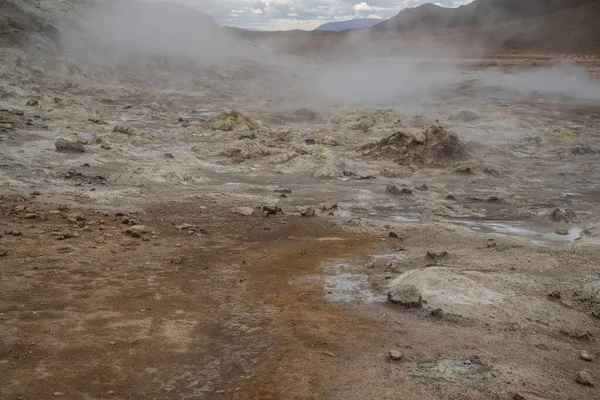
<point>302,14</point>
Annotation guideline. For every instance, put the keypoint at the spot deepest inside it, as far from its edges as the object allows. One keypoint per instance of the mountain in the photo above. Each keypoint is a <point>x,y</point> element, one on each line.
<point>340,26</point>
<point>477,13</point>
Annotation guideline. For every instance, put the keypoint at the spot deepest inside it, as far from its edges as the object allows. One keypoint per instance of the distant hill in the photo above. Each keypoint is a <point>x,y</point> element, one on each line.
<point>351,24</point>
<point>477,13</point>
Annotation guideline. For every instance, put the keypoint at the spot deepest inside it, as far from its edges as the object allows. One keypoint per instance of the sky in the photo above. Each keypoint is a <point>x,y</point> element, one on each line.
<point>303,14</point>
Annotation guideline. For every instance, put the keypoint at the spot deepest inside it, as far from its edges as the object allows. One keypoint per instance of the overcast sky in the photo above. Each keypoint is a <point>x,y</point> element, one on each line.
<point>303,14</point>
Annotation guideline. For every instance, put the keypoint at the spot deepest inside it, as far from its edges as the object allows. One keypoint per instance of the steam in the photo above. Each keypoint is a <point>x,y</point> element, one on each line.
<point>565,79</point>
<point>359,69</point>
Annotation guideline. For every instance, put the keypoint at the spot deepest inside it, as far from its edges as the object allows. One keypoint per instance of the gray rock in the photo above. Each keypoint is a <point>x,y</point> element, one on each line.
<point>406,295</point>
<point>566,216</point>
<point>243,210</point>
<point>127,130</point>
<point>584,378</point>
<point>562,232</point>
<point>465,116</point>
<point>586,356</point>
<point>395,190</point>
<point>395,355</point>
<point>67,145</point>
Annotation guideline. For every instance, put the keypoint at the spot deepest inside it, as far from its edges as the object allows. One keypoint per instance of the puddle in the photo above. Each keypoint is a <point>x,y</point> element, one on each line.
<point>200,113</point>
<point>403,218</point>
<point>543,235</point>
<point>346,285</point>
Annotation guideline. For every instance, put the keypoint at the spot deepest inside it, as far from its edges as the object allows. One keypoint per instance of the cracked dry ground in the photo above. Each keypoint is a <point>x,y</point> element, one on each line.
<point>237,311</point>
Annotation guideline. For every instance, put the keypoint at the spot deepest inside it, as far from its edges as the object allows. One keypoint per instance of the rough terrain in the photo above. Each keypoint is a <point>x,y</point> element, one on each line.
<point>204,232</point>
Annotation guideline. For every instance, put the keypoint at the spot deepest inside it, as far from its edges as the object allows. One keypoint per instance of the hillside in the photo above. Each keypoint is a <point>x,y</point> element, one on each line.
<point>478,13</point>
<point>340,26</point>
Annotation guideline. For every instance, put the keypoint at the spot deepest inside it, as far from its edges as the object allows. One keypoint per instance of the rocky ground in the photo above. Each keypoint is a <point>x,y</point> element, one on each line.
<point>156,244</point>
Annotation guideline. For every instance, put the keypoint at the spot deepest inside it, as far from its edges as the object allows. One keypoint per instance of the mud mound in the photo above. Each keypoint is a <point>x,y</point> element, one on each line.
<point>233,121</point>
<point>244,150</point>
<point>365,119</point>
<point>434,146</point>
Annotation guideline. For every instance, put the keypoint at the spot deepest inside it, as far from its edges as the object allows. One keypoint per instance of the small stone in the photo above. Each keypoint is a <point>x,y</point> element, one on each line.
<point>68,146</point>
<point>329,353</point>
<point>308,212</point>
<point>395,190</point>
<point>247,211</point>
<point>406,295</point>
<point>584,378</point>
<point>169,155</point>
<point>3,253</point>
<point>586,356</point>
<point>57,394</point>
<point>450,197</point>
<point>137,230</point>
<point>566,216</point>
<point>437,254</point>
<point>422,187</point>
<point>395,355</point>
<point>438,313</point>
<point>330,204</point>
<point>562,232</point>
<point>105,146</point>
<point>394,235</point>
<point>265,214</point>
<point>33,103</point>
<point>127,130</point>
<point>491,243</point>
<point>464,170</point>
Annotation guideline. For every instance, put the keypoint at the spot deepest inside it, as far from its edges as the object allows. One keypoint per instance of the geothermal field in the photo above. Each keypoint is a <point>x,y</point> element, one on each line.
<point>402,212</point>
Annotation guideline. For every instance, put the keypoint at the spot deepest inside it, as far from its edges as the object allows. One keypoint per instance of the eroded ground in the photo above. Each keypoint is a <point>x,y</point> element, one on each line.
<point>202,302</point>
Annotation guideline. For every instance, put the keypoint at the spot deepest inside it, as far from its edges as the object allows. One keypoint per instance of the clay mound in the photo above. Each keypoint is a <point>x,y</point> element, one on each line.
<point>234,121</point>
<point>434,146</point>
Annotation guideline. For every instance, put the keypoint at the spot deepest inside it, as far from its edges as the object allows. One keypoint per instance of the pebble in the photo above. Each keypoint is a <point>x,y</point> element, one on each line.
<point>395,355</point>
<point>586,356</point>
<point>584,378</point>
<point>247,211</point>
<point>406,295</point>
<point>330,204</point>
<point>562,232</point>
<point>3,253</point>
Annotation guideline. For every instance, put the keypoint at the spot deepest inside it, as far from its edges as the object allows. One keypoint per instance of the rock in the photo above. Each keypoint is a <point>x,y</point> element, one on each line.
<point>566,216</point>
<point>3,253</point>
<point>422,187</point>
<point>491,243</point>
<point>66,145</point>
<point>450,197</point>
<point>465,116</point>
<point>169,155</point>
<point>272,210</point>
<point>586,356</point>
<point>310,142</point>
<point>137,230</point>
<point>395,190</point>
<point>244,150</point>
<point>395,355</point>
<point>582,150</point>
<point>465,169</point>
<point>330,204</point>
<point>105,146</point>
<point>247,211</point>
<point>283,191</point>
<point>438,313</point>
<point>406,295</point>
<point>394,235</point>
<point>584,378</point>
<point>120,128</point>
<point>33,103</point>
<point>437,254</point>
<point>562,232</point>
<point>308,212</point>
